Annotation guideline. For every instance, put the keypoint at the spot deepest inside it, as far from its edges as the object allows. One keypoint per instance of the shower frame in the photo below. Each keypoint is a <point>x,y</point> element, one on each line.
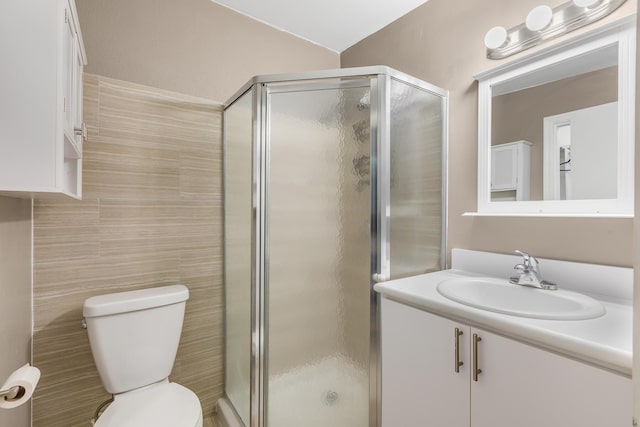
<point>378,78</point>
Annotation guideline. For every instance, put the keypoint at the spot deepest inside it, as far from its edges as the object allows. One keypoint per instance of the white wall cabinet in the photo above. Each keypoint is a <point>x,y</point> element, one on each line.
<point>41,129</point>
<point>511,171</point>
<point>519,385</point>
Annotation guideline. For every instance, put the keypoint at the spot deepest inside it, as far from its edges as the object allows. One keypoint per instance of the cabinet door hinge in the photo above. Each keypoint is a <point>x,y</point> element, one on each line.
<point>64,104</point>
<point>66,15</point>
<point>634,421</point>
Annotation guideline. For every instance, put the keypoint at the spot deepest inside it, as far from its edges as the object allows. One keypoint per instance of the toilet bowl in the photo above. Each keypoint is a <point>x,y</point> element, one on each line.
<point>165,404</point>
<point>134,338</point>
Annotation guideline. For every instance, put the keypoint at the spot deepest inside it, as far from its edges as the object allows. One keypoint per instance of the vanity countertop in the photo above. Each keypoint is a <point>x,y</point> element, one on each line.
<point>605,341</point>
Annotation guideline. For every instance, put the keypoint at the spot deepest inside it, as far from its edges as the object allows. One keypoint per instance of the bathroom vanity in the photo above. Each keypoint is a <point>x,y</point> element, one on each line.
<point>450,364</point>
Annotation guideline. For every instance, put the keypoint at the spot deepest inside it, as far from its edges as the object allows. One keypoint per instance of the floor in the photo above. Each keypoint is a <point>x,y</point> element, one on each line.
<point>211,421</point>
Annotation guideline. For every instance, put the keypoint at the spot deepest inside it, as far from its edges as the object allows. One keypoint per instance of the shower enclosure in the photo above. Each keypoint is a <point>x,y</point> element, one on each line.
<point>333,180</point>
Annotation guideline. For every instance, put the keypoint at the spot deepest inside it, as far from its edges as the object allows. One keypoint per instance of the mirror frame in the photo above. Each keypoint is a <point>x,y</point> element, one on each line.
<point>621,33</point>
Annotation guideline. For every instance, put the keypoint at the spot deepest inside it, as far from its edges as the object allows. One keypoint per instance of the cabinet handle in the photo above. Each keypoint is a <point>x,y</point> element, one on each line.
<point>458,362</point>
<point>81,131</point>
<point>476,370</point>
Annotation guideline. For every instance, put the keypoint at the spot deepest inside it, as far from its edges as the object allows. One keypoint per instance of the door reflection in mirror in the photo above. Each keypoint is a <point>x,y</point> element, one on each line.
<point>580,154</point>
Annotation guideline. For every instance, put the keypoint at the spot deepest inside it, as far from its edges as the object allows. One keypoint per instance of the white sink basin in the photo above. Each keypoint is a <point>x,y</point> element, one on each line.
<point>500,296</point>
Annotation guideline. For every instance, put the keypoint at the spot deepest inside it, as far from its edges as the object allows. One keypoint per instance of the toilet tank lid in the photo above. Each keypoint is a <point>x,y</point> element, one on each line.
<point>122,302</point>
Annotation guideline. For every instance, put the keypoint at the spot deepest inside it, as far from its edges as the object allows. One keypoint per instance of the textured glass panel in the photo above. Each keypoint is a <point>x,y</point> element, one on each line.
<point>416,181</point>
<point>237,228</point>
<point>319,249</point>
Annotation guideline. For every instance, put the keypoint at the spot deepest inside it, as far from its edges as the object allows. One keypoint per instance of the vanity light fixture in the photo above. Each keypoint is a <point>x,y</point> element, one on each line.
<point>544,23</point>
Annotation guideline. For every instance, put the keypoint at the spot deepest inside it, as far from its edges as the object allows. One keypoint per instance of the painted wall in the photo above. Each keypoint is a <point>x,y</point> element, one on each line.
<point>442,42</point>
<point>15,298</point>
<point>195,47</point>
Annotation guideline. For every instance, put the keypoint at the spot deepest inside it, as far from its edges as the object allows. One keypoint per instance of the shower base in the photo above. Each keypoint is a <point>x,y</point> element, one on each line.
<point>227,416</point>
<point>332,392</point>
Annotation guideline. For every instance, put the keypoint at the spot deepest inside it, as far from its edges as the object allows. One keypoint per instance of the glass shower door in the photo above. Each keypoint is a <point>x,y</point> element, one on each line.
<point>238,161</point>
<point>416,132</point>
<point>318,246</point>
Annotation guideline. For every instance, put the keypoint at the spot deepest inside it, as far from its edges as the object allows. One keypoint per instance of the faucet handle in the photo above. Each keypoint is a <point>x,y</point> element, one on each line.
<point>528,260</point>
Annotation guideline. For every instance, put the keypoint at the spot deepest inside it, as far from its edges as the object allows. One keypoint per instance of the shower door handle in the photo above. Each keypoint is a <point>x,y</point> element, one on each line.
<point>379,277</point>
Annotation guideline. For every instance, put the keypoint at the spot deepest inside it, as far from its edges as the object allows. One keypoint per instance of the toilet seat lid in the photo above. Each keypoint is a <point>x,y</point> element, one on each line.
<point>161,405</point>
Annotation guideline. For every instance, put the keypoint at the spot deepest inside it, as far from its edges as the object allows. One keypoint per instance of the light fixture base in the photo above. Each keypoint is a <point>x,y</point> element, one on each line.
<point>564,19</point>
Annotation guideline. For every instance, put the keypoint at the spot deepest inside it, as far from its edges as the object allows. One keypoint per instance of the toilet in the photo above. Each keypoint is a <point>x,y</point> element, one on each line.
<point>134,338</point>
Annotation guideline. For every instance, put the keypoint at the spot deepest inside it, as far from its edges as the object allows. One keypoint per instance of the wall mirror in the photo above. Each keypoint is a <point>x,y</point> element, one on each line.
<point>556,129</point>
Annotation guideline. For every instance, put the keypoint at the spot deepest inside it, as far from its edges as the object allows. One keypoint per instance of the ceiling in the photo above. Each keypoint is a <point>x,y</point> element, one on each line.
<point>334,24</point>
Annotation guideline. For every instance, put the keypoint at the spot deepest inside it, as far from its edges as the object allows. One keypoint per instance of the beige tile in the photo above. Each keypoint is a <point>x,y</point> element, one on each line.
<point>185,101</point>
<point>140,112</point>
<point>114,169</point>
<point>91,103</point>
<point>134,141</point>
<point>53,213</point>
<point>211,421</point>
<point>152,216</point>
<point>66,242</point>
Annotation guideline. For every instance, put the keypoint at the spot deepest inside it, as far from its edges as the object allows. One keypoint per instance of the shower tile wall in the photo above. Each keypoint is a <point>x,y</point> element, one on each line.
<point>151,216</point>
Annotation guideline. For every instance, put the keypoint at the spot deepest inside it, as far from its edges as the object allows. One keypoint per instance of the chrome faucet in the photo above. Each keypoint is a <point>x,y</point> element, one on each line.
<point>529,274</point>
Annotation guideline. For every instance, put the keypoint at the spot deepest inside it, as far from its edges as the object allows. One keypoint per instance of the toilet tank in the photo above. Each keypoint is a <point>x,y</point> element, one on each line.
<point>134,335</point>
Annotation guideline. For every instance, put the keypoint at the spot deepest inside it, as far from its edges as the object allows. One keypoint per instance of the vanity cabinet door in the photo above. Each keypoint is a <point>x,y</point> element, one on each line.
<point>78,124</point>
<point>419,384</point>
<point>67,60</point>
<point>525,386</point>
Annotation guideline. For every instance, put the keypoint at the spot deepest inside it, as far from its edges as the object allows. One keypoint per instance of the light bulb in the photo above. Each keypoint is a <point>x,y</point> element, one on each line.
<point>495,38</point>
<point>539,18</point>
<point>587,3</point>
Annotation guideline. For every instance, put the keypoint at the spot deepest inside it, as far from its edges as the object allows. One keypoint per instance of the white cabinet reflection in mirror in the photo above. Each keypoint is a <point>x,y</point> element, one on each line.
<point>510,171</point>
<point>581,154</point>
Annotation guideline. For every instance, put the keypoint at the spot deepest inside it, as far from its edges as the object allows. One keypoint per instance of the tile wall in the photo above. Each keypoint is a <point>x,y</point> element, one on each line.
<point>151,215</point>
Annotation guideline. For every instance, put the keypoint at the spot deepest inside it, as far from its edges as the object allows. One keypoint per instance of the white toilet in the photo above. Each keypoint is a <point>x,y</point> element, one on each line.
<point>134,338</point>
